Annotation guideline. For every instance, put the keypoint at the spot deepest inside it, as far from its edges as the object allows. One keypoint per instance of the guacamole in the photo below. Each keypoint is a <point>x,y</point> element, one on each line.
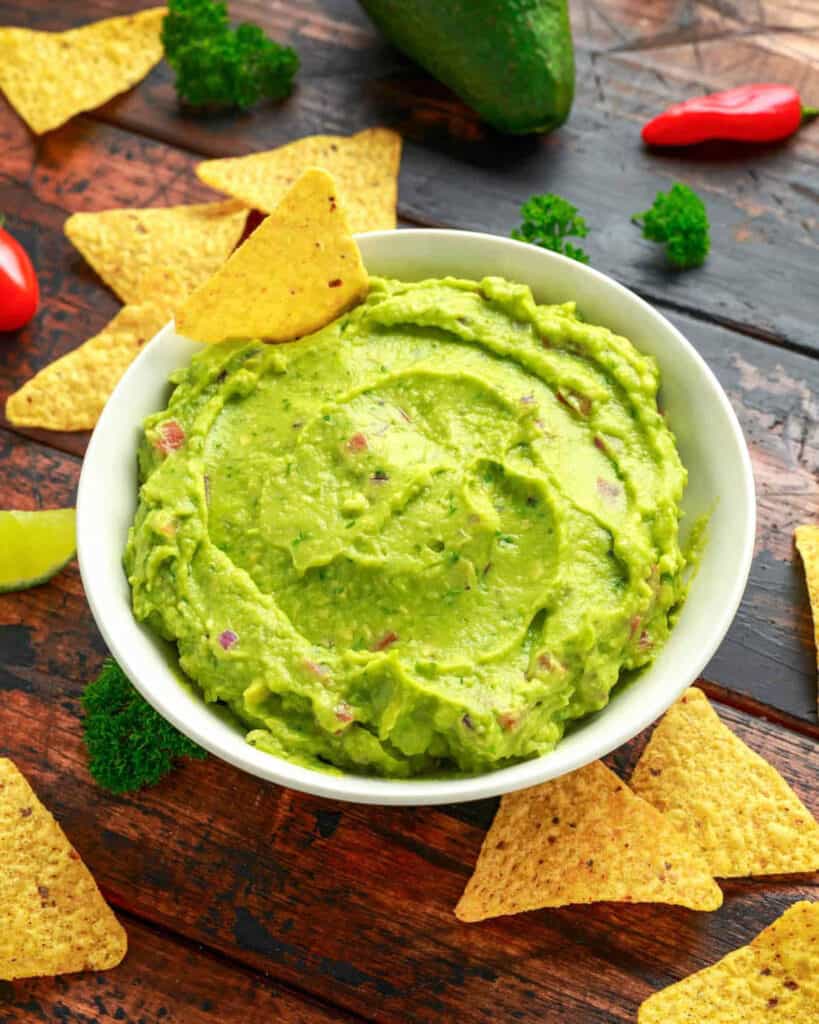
<point>421,540</point>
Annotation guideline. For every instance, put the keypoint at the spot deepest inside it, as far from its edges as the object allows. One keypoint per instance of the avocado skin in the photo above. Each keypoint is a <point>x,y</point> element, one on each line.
<point>511,60</point>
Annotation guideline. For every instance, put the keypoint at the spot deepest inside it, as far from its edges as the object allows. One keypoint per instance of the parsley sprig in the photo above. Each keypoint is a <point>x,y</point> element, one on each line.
<point>679,220</point>
<point>130,745</point>
<point>218,66</point>
<point>547,221</point>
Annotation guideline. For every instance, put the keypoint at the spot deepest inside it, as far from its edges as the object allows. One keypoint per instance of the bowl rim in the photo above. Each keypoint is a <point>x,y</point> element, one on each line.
<point>417,792</point>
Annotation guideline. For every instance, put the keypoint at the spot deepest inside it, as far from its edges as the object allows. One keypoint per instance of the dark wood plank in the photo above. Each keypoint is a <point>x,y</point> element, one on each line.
<point>713,44</point>
<point>355,903</point>
<point>321,895</point>
<point>762,202</point>
<point>775,394</point>
<point>85,166</point>
<point>163,980</point>
<point>768,654</point>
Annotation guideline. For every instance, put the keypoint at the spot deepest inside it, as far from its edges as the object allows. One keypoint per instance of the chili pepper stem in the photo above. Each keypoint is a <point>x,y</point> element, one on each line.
<point>808,113</point>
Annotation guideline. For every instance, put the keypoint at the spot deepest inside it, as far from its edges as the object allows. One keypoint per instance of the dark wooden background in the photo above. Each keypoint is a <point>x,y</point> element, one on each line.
<point>246,901</point>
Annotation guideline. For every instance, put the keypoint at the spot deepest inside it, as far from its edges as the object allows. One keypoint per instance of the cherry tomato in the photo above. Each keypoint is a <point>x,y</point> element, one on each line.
<point>19,291</point>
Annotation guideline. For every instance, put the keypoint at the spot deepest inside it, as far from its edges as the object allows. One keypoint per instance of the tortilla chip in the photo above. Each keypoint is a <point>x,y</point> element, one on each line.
<point>70,393</point>
<point>727,799</point>
<point>49,77</point>
<point>807,543</point>
<point>163,287</point>
<point>297,272</point>
<point>123,245</point>
<point>53,919</point>
<point>583,838</point>
<point>774,979</point>
<point>364,165</point>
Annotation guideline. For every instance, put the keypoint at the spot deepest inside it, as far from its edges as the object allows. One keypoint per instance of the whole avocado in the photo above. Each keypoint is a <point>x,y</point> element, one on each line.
<point>511,60</point>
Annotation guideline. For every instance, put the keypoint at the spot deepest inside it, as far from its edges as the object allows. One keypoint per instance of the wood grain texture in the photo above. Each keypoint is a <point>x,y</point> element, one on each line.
<point>775,392</point>
<point>162,980</point>
<point>322,895</point>
<point>761,276</point>
<point>244,900</point>
<point>85,166</point>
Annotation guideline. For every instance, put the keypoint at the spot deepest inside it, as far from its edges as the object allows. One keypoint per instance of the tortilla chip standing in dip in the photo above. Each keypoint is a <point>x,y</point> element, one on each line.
<point>423,538</point>
<point>298,271</point>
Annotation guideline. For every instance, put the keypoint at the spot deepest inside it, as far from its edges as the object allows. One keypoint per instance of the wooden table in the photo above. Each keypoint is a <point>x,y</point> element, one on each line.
<point>244,901</point>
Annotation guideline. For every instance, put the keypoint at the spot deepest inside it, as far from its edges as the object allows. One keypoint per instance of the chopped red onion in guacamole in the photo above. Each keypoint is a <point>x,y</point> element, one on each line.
<point>518,565</point>
<point>387,640</point>
<point>171,436</point>
<point>357,443</point>
<point>227,638</point>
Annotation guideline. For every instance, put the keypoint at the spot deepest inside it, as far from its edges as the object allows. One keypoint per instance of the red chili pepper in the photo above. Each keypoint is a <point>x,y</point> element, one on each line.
<point>751,113</point>
<point>19,292</point>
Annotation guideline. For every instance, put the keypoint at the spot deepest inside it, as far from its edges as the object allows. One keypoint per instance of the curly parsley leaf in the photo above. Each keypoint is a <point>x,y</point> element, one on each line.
<point>679,220</point>
<point>547,221</point>
<point>129,745</point>
<point>217,66</point>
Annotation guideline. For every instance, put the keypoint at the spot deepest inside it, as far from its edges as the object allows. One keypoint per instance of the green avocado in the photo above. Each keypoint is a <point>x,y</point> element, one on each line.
<point>511,60</point>
<point>420,541</point>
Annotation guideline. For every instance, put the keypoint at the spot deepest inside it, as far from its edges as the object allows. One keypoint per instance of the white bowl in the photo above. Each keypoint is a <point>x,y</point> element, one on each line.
<point>710,443</point>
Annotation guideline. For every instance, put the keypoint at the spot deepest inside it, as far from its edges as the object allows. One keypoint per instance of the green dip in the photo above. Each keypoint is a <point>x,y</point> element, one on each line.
<point>421,540</point>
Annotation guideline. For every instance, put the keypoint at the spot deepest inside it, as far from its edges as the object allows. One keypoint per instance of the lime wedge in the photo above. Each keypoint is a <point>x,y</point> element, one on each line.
<point>34,546</point>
